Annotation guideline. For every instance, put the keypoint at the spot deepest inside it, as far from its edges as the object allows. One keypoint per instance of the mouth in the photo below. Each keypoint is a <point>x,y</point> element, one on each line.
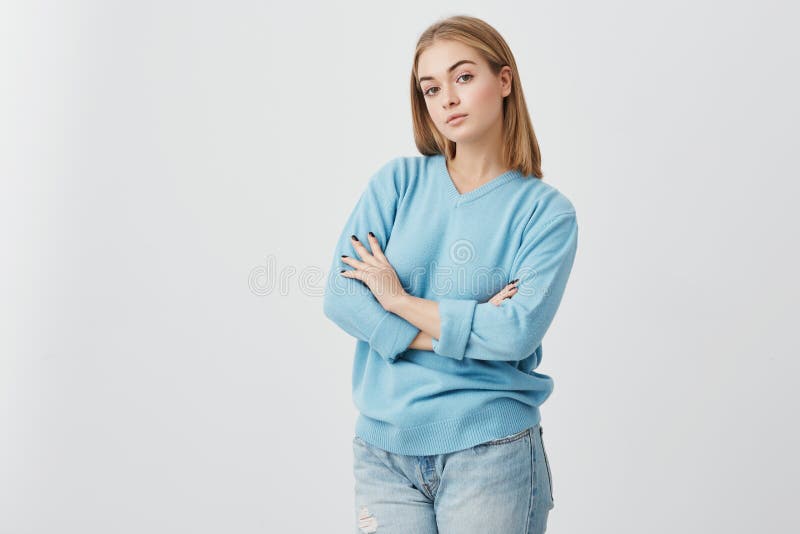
<point>456,118</point>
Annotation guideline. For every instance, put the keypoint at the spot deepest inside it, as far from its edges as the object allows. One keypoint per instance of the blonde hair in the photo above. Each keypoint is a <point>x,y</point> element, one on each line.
<point>520,147</point>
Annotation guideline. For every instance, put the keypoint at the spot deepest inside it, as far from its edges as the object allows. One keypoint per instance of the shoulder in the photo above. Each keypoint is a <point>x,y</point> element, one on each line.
<point>397,174</point>
<point>384,179</point>
<point>407,168</point>
<point>546,203</point>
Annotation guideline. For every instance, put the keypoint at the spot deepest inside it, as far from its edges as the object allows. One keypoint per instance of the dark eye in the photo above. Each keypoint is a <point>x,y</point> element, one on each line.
<point>427,92</point>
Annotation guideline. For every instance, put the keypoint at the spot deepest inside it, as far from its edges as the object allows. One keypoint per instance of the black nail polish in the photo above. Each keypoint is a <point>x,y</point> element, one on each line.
<point>343,270</point>
<point>373,235</point>
<point>345,256</point>
<point>354,237</point>
<point>514,281</point>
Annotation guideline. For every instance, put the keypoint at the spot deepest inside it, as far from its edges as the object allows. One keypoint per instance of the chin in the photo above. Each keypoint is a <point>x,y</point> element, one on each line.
<point>463,138</point>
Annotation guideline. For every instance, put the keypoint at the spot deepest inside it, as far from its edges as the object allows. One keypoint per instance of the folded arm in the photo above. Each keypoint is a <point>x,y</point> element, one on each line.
<point>515,329</point>
<point>349,302</point>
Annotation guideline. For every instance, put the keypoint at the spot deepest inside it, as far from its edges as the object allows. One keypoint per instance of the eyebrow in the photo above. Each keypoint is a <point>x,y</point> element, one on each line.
<point>452,67</point>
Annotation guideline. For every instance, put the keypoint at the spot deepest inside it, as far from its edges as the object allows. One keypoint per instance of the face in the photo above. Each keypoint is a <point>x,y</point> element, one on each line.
<point>456,80</point>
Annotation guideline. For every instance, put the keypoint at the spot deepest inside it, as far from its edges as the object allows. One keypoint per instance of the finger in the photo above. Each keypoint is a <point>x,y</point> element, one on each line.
<point>505,293</point>
<point>362,251</point>
<point>375,246</point>
<point>347,273</point>
<point>349,260</point>
<point>500,295</point>
<point>511,286</point>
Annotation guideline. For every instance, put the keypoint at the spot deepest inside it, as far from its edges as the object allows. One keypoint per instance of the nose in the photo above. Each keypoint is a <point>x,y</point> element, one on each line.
<point>449,95</point>
<point>450,99</point>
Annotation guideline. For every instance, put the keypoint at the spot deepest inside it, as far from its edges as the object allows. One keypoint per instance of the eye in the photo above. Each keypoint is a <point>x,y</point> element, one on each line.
<point>427,92</point>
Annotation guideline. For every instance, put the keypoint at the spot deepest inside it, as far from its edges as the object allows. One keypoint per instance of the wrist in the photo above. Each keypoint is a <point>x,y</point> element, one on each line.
<point>398,303</point>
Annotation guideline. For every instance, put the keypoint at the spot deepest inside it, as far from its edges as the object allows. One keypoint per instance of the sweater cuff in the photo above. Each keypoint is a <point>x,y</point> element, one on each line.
<point>455,316</point>
<point>392,336</point>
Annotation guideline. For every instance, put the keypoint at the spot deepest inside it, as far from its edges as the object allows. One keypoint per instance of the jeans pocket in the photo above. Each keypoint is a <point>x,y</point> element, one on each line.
<point>547,464</point>
<point>513,437</point>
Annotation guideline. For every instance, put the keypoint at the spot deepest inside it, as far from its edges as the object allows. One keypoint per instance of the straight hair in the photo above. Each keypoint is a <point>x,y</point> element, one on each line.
<point>520,147</point>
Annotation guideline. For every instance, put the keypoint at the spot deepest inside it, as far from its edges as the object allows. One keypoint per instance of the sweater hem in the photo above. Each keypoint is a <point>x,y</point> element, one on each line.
<point>501,417</point>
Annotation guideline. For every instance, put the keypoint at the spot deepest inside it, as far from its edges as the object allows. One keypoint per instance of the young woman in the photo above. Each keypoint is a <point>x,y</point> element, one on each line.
<point>449,437</point>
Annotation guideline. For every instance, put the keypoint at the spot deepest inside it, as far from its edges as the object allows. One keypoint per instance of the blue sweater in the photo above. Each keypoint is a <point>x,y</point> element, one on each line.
<point>458,249</point>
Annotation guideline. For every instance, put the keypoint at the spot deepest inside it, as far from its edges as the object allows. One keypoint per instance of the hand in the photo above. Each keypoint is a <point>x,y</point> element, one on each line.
<point>506,293</point>
<point>423,341</point>
<point>376,272</point>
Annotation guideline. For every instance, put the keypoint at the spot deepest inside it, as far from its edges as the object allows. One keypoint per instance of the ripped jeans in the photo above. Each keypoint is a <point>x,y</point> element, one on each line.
<point>503,485</point>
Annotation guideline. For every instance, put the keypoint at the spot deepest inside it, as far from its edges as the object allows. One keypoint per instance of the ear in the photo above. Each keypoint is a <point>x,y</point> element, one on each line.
<point>505,80</point>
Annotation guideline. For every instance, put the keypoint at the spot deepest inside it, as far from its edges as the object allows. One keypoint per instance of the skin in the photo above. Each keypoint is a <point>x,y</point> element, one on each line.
<point>472,89</point>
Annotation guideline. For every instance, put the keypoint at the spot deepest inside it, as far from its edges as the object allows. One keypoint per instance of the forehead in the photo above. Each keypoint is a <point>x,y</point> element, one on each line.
<point>439,57</point>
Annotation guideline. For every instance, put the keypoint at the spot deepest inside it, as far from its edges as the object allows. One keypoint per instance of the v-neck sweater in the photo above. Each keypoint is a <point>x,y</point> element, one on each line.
<point>458,249</point>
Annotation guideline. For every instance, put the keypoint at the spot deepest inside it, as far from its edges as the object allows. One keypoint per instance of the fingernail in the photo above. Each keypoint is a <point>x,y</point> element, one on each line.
<point>343,270</point>
<point>373,235</point>
<point>344,255</point>
<point>353,237</point>
<point>514,281</point>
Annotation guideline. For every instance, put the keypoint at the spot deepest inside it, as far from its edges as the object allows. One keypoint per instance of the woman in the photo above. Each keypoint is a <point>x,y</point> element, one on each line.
<point>448,437</point>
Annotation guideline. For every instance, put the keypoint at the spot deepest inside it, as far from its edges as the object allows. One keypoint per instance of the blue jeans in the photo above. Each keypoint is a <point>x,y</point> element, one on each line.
<point>503,485</point>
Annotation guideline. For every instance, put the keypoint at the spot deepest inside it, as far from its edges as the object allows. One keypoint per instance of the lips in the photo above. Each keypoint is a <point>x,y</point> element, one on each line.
<point>457,115</point>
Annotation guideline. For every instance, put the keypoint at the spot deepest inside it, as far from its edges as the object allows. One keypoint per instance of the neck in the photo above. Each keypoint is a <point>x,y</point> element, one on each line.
<point>478,162</point>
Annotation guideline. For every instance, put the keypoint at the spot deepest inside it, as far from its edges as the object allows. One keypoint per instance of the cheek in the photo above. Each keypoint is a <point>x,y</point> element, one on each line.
<point>484,103</point>
<point>484,94</point>
<point>428,107</point>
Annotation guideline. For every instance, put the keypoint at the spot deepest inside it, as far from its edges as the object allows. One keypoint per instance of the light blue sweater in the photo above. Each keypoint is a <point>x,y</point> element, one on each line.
<point>458,249</point>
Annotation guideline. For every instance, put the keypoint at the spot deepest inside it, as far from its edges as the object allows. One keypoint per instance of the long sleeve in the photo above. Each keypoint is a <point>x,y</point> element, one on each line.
<point>515,329</point>
<point>348,302</point>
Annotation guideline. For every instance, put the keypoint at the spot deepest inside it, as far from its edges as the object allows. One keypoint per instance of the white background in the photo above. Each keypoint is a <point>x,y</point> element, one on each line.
<point>174,178</point>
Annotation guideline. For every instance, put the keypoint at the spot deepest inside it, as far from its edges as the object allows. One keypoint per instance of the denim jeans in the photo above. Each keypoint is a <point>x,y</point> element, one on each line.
<point>503,485</point>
